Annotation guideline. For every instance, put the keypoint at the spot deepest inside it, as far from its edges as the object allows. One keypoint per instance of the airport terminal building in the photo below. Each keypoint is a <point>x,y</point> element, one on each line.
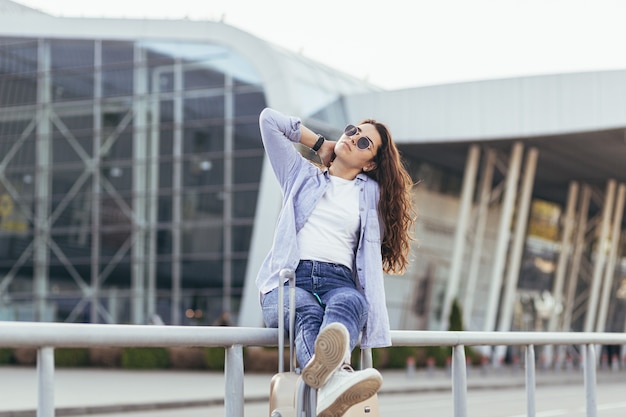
<point>134,189</point>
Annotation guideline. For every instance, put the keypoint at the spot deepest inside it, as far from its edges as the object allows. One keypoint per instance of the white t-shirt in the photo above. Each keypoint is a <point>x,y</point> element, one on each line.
<point>331,232</point>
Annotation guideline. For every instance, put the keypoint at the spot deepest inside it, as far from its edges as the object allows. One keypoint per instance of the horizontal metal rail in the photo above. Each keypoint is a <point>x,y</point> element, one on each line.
<point>48,336</point>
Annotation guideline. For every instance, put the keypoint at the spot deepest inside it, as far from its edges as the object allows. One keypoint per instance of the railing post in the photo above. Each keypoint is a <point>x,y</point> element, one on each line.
<point>530,381</point>
<point>233,368</point>
<point>45,382</point>
<point>459,381</point>
<point>590,379</point>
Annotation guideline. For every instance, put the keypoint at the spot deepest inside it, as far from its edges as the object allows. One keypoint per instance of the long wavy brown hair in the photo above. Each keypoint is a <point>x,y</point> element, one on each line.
<point>395,205</point>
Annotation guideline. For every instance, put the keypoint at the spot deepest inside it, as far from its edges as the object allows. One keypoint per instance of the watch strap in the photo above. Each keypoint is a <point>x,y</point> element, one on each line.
<point>318,144</point>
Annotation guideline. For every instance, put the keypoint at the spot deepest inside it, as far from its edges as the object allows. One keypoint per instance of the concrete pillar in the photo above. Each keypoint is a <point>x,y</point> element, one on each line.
<point>465,207</point>
<point>502,243</point>
<point>600,258</point>
<point>479,234</point>
<point>519,239</point>
<point>609,271</point>
<point>561,268</point>
<point>566,244</point>
<point>579,247</point>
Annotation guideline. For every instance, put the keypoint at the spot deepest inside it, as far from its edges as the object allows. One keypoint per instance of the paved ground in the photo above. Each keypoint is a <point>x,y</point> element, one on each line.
<point>94,391</point>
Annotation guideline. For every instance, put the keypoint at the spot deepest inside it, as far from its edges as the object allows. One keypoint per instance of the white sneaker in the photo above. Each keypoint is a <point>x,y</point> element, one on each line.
<point>331,348</point>
<point>345,388</point>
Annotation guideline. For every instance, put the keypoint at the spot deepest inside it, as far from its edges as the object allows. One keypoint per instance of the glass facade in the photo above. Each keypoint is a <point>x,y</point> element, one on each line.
<point>129,175</point>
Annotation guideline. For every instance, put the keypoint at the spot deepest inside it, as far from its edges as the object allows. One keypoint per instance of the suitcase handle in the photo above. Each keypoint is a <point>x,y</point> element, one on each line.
<point>290,275</point>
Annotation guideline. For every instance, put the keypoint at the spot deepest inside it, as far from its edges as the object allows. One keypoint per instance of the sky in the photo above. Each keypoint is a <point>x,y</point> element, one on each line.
<point>398,44</point>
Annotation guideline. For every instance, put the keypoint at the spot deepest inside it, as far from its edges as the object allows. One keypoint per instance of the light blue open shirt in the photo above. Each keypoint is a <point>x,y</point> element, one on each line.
<point>303,185</point>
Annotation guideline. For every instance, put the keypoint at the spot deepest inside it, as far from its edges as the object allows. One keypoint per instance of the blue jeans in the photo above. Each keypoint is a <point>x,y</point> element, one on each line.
<point>325,293</point>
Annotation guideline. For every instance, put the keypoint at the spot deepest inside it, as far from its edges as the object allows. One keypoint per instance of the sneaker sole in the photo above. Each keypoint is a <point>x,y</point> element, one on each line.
<point>357,393</point>
<point>330,351</point>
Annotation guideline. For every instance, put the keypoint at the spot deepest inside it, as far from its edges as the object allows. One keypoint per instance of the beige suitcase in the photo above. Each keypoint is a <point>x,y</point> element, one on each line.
<point>289,396</point>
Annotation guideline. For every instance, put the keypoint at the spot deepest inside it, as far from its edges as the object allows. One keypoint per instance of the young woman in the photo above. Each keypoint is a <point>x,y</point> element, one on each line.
<point>340,227</point>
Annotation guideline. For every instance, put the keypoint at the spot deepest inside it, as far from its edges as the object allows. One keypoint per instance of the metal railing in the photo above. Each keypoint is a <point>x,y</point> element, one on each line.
<point>48,336</point>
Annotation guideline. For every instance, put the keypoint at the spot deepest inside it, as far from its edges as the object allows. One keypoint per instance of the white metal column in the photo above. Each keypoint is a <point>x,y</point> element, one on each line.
<point>140,121</point>
<point>152,194</point>
<point>568,220</point>
<point>95,183</point>
<point>502,243</point>
<point>479,235</point>
<point>177,201</point>
<point>609,271</point>
<point>465,208</point>
<point>45,382</point>
<point>566,245</point>
<point>229,145</point>
<point>43,179</point>
<point>600,258</point>
<point>267,211</point>
<point>579,246</point>
<point>519,238</point>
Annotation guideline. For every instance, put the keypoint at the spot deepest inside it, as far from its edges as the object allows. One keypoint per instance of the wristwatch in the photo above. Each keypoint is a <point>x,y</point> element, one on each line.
<point>318,144</point>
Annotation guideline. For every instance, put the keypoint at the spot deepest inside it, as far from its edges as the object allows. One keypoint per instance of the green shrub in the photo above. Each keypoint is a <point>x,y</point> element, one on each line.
<point>6,356</point>
<point>215,358</point>
<point>145,358</point>
<point>71,358</point>
<point>397,356</point>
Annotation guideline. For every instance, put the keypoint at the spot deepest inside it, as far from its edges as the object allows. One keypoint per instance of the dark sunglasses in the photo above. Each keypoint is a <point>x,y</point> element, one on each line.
<point>363,142</point>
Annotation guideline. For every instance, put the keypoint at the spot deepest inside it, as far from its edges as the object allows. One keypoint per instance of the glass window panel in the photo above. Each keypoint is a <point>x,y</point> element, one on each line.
<point>202,78</point>
<point>202,273</point>
<point>12,247</point>
<point>241,239</point>
<point>23,158</point>
<point>72,85</point>
<point>166,113</point>
<point>165,174</point>
<point>19,56</point>
<point>18,89</point>
<point>75,142</point>
<point>164,244</point>
<point>247,135</point>
<point>249,104</point>
<point>203,170</point>
<point>18,66</point>
<point>202,240</point>
<point>75,243</point>
<point>239,272</point>
<point>117,68</point>
<point>165,209</point>
<point>247,169</point>
<point>244,204</point>
<point>117,52</point>
<point>164,79</point>
<point>119,175</point>
<point>204,109</point>
<point>71,53</point>
<point>17,205</point>
<point>72,69</point>
<point>161,71</point>
<point>205,206</point>
<point>115,225</point>
<point>70,210</point>
<point>119,147</point>
<point>117,81</point>
<point>203,139</point>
